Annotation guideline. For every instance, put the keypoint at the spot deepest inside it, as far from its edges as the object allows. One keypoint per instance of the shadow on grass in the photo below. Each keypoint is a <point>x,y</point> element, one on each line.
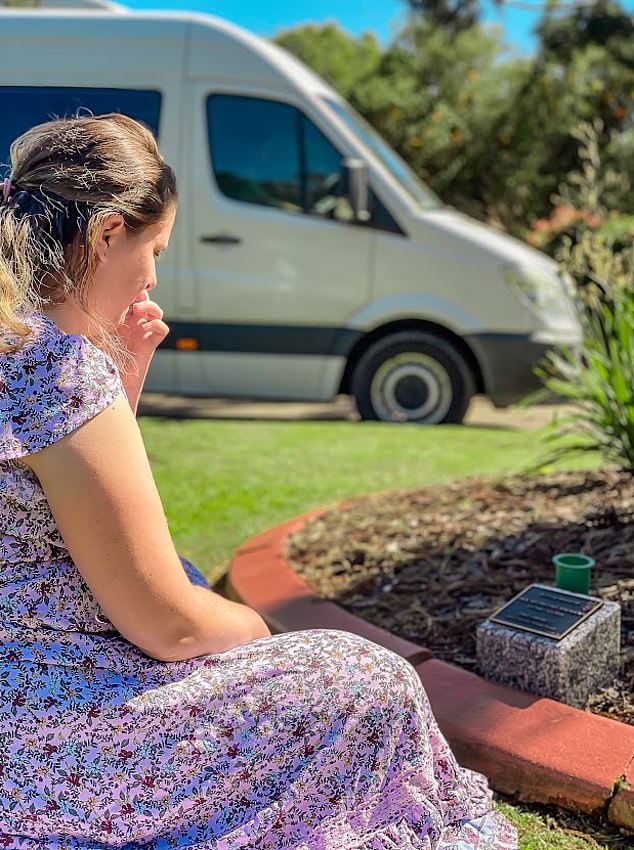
<point>256,410</point>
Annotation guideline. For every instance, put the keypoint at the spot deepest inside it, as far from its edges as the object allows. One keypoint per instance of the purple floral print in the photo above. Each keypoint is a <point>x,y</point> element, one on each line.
<point>313,740</point>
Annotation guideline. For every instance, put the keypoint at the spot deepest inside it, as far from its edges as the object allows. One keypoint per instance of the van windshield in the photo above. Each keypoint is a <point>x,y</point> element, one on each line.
<point>397,167</point>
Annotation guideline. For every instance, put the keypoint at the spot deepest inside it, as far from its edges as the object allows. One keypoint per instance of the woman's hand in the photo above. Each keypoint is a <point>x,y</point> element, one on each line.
<point>143,328</point>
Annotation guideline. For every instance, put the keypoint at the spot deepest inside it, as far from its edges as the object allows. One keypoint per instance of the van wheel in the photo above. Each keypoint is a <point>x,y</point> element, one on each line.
<point>412,376</point>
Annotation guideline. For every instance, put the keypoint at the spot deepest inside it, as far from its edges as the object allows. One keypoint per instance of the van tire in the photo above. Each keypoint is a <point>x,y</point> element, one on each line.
<point>412,376</point>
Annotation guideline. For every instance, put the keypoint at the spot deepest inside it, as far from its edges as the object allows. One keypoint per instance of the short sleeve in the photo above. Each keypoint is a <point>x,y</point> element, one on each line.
<point>49,388</point>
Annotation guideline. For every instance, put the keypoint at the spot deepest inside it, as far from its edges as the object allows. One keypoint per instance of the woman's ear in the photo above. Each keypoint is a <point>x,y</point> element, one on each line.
<point>111,228</point>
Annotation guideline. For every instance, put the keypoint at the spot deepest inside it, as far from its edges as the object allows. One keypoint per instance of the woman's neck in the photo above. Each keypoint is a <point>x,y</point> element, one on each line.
<point>68,317</point>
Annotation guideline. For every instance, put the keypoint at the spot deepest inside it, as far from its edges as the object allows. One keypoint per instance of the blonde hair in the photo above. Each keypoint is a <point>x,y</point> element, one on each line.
<point>67,175</point>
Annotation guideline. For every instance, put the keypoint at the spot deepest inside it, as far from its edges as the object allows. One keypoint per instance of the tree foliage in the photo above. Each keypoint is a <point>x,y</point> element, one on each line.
<point>596,379</point>
<point>342,61</point>
<point>492,133</point>
<point>439,114</point>
<point>603,23</point>
<point>452,15</point>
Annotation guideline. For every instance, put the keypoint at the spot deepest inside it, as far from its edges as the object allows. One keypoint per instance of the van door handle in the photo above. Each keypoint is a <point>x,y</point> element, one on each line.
<point>222,239</point>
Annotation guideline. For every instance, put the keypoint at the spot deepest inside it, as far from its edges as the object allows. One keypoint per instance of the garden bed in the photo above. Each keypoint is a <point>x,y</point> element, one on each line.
<point>429,565</point>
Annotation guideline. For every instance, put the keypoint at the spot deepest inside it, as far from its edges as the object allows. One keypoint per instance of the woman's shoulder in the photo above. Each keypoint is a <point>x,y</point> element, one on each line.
<point>51,360</point>
<point>52,384</point>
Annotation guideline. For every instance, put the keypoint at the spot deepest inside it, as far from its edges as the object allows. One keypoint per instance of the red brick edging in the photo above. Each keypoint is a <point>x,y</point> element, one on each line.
<point>538,749</point>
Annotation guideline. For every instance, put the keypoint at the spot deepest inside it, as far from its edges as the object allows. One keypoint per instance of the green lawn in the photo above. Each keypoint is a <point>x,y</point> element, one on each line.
<point>545,832</point>
<point>223,481</point>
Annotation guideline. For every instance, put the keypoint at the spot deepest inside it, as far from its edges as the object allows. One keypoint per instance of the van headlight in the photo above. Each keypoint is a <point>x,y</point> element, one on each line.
<point>547,295</point>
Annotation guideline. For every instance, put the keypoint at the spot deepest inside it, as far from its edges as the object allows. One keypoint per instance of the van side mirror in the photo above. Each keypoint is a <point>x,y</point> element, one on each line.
<point>356,186</point>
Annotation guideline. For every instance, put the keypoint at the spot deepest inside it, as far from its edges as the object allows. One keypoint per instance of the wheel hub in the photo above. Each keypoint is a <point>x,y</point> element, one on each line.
<point>411,387</point>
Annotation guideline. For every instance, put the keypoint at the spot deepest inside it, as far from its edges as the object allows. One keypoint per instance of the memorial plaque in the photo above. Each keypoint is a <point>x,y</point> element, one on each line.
<point>546,611</point>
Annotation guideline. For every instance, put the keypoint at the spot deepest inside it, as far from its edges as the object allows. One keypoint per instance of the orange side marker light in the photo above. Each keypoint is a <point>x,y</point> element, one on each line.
<point>187,343</point>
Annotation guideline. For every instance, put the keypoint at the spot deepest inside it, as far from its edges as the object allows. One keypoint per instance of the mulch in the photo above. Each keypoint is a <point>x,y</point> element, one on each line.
<point>431,564</point>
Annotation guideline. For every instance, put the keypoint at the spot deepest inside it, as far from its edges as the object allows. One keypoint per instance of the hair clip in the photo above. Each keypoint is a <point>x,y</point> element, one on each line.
<point>7,185</point>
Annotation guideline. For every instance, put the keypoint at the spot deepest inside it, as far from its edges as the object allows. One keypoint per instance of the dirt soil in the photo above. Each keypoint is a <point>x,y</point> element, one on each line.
<point>429,565</point>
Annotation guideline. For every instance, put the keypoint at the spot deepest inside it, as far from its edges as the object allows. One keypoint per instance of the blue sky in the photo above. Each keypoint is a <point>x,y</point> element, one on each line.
<point>381,16</point>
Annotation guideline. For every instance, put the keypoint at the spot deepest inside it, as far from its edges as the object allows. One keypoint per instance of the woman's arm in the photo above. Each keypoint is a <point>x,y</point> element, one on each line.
<point>133,381</point>
<point>100,488</point>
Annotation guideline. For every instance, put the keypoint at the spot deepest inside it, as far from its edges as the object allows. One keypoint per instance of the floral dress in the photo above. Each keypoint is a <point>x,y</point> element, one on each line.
<point>313,740</point>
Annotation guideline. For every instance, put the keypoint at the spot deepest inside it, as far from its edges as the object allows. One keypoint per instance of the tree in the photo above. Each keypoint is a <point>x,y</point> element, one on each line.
<point>603,23</point>
<point>340,59</point>
<point>453,15</point>
<point>436,97</point>
<point>492,135</point>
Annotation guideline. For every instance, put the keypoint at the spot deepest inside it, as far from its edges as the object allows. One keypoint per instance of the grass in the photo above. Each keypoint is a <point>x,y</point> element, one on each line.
<point>543,831</point>
<point>224,481</point>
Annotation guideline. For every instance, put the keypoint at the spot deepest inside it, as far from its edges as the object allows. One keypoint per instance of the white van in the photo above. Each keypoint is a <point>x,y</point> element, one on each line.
<point>307,259</point>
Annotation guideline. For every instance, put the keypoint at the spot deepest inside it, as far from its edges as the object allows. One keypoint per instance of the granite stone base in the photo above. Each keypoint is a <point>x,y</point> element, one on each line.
<point>568,670</point>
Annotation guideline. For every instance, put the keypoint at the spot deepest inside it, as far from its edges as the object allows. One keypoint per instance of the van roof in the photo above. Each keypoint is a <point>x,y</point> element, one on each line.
<point>206,32</point>
<point>103,5</point>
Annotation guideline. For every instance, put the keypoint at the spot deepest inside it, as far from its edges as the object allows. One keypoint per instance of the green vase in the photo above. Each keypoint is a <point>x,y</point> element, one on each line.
<point>573,571</point>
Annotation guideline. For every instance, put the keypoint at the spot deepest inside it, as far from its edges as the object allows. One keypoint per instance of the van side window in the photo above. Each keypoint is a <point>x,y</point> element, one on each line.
<point>255,151</point>
<point>22,107</point>
<point>323,175</point>
<point>267,152</point>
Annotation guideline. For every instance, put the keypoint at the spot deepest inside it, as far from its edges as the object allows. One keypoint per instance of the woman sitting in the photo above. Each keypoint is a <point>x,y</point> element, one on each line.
<point>137,707</point>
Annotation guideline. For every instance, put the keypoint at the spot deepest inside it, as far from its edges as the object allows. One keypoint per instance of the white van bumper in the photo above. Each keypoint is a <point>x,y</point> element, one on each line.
<point>508,361</point>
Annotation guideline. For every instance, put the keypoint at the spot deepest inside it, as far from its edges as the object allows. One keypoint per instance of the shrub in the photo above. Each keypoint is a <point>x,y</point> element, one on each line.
<point>584,212</point>
<point>598,378</point>
<point>598,381</point>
